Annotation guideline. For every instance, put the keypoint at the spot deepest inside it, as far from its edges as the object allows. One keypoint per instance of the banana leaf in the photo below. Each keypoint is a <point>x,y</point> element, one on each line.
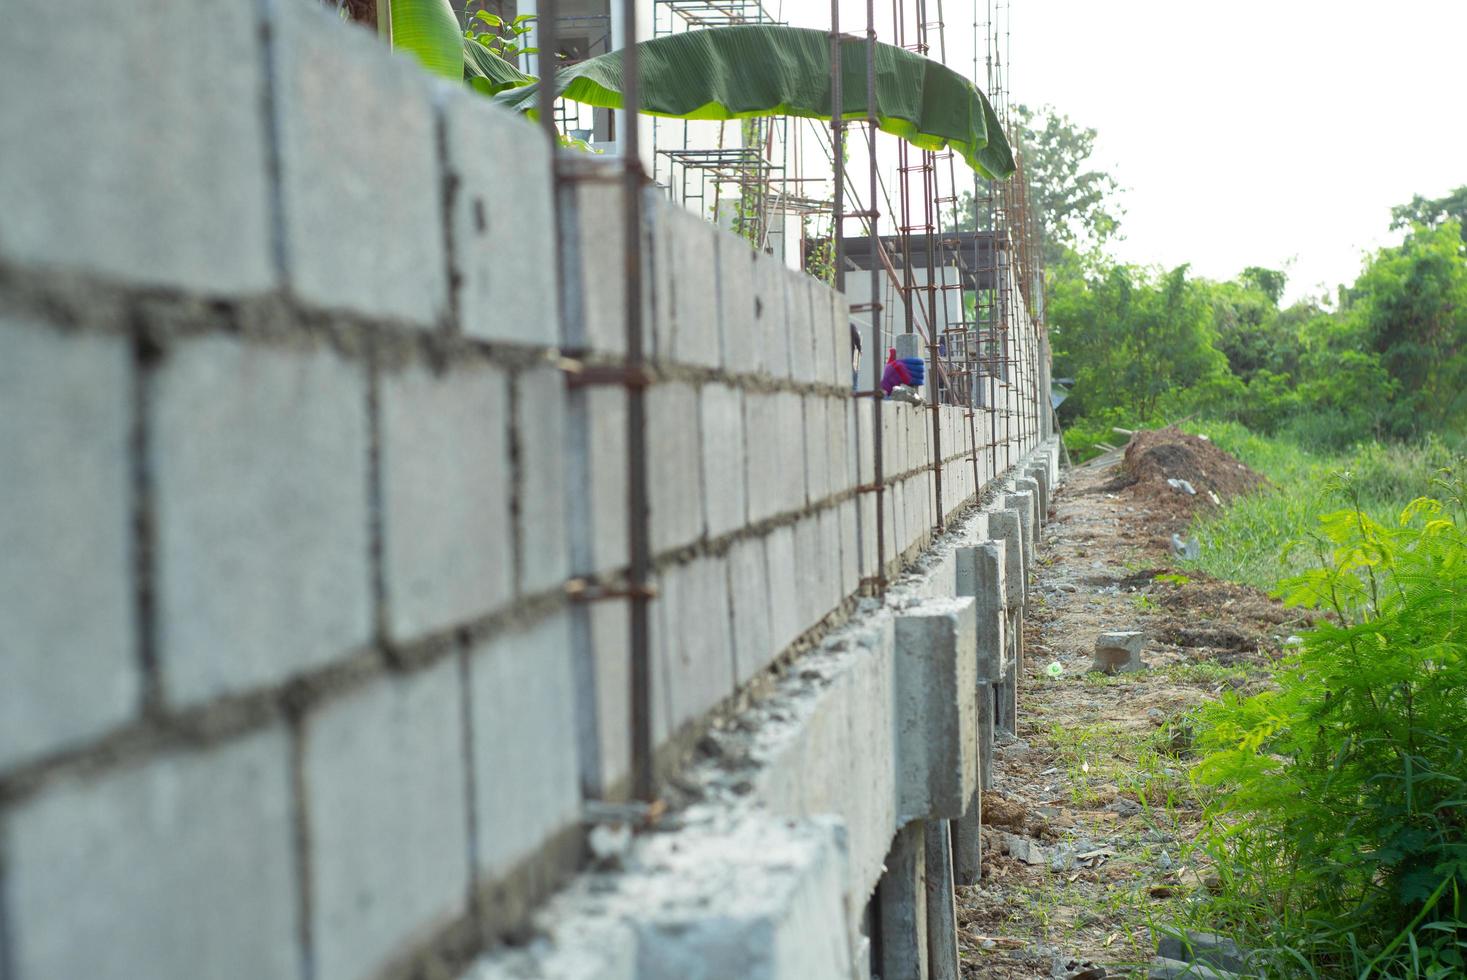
<point>489,73</point>
<point>771,70</point>
<point>429,29</point>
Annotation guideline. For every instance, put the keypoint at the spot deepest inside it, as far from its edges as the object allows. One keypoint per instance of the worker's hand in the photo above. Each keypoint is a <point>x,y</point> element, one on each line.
<point>902,371</point>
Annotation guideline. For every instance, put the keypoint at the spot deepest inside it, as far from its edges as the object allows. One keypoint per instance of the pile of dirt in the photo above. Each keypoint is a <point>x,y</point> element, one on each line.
<point>1155,456</point>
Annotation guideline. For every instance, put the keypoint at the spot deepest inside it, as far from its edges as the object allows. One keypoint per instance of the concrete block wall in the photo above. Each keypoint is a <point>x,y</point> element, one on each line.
<point>294,482</point>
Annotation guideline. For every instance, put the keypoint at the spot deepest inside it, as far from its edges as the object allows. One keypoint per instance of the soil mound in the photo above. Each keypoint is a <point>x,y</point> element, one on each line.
<point>1155,456</point>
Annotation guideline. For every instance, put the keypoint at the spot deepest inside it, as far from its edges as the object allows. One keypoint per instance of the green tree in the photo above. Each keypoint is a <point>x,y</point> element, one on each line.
<point>1074,199</point>
<point>1431,211</point>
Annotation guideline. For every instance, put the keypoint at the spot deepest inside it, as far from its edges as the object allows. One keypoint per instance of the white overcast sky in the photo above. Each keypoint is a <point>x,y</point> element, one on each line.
<point>1244,132</point>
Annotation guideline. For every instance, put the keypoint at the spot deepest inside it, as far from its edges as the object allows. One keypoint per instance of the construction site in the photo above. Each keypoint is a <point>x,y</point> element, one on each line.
<point>497,560</point>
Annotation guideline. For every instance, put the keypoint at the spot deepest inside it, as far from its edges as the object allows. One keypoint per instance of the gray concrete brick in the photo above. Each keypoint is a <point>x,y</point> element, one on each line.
<point>525,759</point>
<point>259,464</point>
<point>736,304</point>
<point>373,243</point>
<point>776,453</point>
<point>388,819</point>
<point>725,467</point>
<point>674,465</point>
<point>801,326</point>
<point>851,542</point>
<point>687,329</point>
<point>544,557</point>
<point>814,569</point>
<point>118,169</point>
<point>748,575</point>
<point>595,266</point>
<point>446,552</point>
<point>598,430</point>
<point>771,318</point>
<point>695,610</point>
<point>603,680</point>
<point>839,433</point>
<point>817,447</point>
<point>178,869</point>
<point>67,667</point>
<point>500,218</point>
<point>784,588</point>
<point>822,332</point>
<point>830,550</point>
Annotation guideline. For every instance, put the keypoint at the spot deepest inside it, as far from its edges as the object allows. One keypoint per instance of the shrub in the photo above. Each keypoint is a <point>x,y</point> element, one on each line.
<point>1341,834</point>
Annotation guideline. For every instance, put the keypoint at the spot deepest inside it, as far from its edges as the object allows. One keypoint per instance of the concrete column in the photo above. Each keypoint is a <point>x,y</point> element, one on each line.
<point>936,710</point>
<point>942,912</point>
<point>1007,716</point>
<point>902,900</point>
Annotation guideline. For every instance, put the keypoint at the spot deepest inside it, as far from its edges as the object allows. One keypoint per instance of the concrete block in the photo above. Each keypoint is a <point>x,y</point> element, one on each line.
<point>828,581</point>
<point>902,906</point>
<point>936,708</point>
<point>725,466</point>
<point>259,464</point>
<point>388,819</point>
<point>771,321</point>
<point>1023,504</point>
<point>695,608</point>
<point>784,588</point>
<point>181,868</point>
<point>674,465</point>
<point>118,169</point>
<point>522,704</point>
<point>1039,473</point>
<point>594,260</point>
<point>444,451</point>
<point>839,435</point>
<point>736,298</point>
<point>823,333</point>
<point>851,538</point>
<point>1119,652</point>
<point>687,329</point>
<point>500,219</point>
<point>801,326</point>
<point>841,324</point>
<point>980,574</point>
<point>776,453</point>
<point>67,654</point>
<point>863,443</point>
<point>1004,525</point>
<point>598,521</point>
<point>748,573</point>
<point>942,912</point>
<point>817,447</point>
<point>814,569</point>
<point>539,408</point>
<point>372,244</point>
<point>602,665</point>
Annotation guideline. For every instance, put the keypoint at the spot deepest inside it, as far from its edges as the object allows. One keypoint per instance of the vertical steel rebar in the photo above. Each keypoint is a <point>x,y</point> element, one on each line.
<point>878,469</point>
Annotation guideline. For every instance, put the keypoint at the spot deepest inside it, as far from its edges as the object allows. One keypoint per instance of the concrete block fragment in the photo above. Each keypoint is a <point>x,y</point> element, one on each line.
<point>67,655</point>
<point>388,819</point>
<point>776,454</point>
<point>942,912</point>
<point>784,588</point>
<point>687,330</point>
<point>181,868</point>
<point>500,221</point>
<point>725,466</point>
<point>118,169</point>
<point>373,244</point>
<point>748,571</point>
<point>1119,652</point>
<point>902,906</point>
<point>736,299</point>
<point>771,322</point>
<point>523,752</point>
<point>674,464</point>
<point>936,719</point>
<point>539,409</point>
<point>1004,525</point>
<point>695,608</point>
<point>444,451</point>
<point>259,459</point>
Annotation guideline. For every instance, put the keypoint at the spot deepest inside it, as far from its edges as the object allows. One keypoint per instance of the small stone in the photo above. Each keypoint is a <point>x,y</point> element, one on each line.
<point>1119,652</point>
<point>1155,715</point>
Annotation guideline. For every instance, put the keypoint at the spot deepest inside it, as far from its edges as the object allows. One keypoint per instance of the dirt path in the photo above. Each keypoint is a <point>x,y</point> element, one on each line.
<point>1091,813</point>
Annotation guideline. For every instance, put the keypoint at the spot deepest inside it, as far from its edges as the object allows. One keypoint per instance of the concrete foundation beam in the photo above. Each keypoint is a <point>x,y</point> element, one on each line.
<point>902,907</point>
<point>936,710</point>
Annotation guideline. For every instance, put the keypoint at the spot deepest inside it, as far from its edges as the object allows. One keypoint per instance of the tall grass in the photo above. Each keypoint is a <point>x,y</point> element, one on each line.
<point>1257,539</point>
